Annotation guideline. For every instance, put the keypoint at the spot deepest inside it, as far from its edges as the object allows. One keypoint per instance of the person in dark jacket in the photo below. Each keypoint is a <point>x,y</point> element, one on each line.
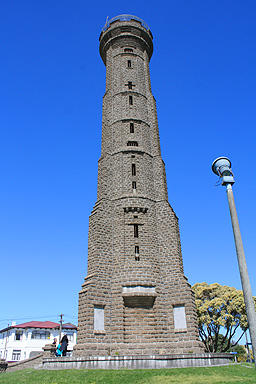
<point>64,345</point>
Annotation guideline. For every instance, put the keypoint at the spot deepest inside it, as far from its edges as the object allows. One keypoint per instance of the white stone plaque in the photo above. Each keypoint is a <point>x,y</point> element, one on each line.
<point>179,317</point>
<point>98,318</point>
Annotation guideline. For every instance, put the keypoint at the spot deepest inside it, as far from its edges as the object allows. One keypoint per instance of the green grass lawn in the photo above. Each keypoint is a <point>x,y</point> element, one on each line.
<point>232,374</point>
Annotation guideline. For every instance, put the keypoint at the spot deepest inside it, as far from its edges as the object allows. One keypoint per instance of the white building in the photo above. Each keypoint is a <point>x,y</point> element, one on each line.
<point>19,342</point>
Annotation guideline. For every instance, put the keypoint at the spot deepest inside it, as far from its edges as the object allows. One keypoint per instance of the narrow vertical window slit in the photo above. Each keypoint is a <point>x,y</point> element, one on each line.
<point>137,254</point>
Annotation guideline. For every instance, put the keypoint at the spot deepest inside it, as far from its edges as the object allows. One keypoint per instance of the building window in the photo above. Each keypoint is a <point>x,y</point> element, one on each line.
<point>133,170</point>
<point>40,335</point>
<point>18,335</point>
<point>128,50</point>
<point>134,185</point>
<point>132,143</point>
<point>16,353</point>
<point>131,127</point>
<point>136,230</point>
<point>98,318</point>
<point>137,254</point>
<point>129,64</point>
<point>130,100</point>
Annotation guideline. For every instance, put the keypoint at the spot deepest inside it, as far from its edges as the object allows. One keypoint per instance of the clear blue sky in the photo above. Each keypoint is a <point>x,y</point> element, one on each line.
<point>52,81</point>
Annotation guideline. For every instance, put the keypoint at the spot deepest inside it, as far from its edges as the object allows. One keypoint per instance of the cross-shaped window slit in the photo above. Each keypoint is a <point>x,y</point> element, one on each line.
<point>130,85</point>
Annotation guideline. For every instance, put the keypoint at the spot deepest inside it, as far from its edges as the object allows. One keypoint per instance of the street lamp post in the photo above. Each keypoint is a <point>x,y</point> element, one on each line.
<point>222,167</point>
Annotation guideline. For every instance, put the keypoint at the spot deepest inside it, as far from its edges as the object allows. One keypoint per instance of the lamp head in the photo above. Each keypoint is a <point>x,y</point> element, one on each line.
<point>222,167</point>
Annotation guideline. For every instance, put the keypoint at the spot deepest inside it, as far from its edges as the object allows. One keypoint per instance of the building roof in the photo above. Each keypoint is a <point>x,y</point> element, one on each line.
<point>68,326</point>
<point>37,324</point>
<point>40,324</point>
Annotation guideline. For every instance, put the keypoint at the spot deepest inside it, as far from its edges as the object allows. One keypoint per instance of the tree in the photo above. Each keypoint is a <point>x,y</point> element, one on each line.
<point>241,353</point>
<point>220,312</point>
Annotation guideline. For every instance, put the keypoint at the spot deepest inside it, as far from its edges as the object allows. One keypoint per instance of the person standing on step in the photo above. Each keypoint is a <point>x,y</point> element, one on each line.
<point>64,345</point>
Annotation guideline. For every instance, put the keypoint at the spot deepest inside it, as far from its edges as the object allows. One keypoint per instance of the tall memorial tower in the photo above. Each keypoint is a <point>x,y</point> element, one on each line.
<point>135,298</point>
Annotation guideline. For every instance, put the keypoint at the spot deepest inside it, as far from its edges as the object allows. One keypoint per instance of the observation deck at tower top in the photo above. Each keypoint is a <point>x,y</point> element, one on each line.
<point>124,17</point>
<point>129,26</point>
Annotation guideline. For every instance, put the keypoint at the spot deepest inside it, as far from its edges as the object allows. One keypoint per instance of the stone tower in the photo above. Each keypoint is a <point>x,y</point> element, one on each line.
<point>135,298</point>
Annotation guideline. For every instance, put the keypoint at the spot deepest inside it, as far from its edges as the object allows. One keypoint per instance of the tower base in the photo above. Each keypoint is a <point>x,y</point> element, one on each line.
<point>152,349</point>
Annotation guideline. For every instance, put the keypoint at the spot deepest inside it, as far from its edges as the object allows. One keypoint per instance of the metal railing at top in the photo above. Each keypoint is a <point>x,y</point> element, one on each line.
<point>124,18</point>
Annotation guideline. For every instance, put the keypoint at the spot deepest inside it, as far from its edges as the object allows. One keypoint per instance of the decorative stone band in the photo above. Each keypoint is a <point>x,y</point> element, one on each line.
<point>135,209</point>
<point>139,121</point>
<point>130,149</point>
<point>139,289</point>
<point>87,280</point>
